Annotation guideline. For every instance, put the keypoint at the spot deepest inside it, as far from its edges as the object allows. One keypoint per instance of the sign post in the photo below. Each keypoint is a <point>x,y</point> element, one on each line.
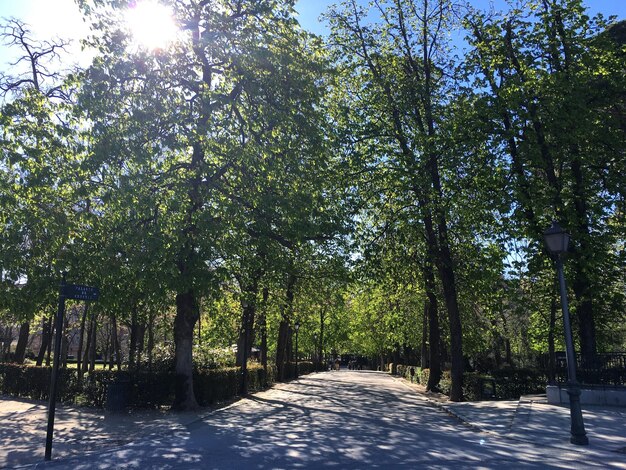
<point>66,291</point>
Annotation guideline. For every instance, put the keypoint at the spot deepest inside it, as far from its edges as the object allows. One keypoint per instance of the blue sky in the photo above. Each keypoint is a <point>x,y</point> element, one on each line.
<point>50,18</point>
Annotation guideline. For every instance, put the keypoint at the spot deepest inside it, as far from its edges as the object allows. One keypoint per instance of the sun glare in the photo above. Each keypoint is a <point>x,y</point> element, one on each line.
<point>151,24</point>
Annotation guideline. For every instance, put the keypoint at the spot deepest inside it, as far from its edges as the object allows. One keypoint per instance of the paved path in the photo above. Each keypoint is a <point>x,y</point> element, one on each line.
<point>342,420</point>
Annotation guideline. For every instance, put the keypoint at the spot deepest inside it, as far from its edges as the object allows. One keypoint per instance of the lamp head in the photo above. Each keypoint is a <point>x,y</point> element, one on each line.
<point>556,239</point>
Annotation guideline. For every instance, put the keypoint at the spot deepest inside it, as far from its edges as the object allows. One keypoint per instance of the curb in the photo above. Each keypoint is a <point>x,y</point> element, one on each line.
<point>520,413</point>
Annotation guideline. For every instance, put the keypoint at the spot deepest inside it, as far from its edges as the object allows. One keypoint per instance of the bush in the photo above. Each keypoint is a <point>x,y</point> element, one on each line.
<point>303,369</point>
<point>474,384</point>
<point>510,383</point>
<point>213,358</point>
<point>513,383</point>
<point>405,371</point>
<point>33,382</point>
<point>146,388</point>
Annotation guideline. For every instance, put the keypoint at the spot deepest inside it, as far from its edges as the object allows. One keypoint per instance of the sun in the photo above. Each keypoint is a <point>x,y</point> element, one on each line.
<point>151,24</point>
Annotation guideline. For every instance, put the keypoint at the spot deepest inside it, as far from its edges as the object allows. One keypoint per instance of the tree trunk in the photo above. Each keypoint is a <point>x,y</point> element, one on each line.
<point>432,308</point>
<point>551,351</point>
<point>448,281</point>
<point>93,348</point>
<point>151,340</point>
<point>141,341</point>
<point>132,347</point>
<point>116,342</point>
<point>244,343</point>
<point>22,341</point>
<point>424,348</point>
<point>509,354</point>
<point>65,342</point>
<point>263,325</point>
<point>65,345</point>
<point>246,336</point>
<point>6,343</point>
<point>199,325</point>
<point>583,285</point>
<point>89,355</point>
<point>81,337</point>
<point>184,323</point>
<point>45,340</point>
<point>283,349</point>
<point>49,348</point>
<point>395,359</point>
<point>107,350</point>
<point>321,345</point>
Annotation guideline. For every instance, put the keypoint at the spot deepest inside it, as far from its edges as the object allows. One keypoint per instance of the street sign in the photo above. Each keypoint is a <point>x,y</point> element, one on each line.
<point>78,292</point>
<point>66,291</point>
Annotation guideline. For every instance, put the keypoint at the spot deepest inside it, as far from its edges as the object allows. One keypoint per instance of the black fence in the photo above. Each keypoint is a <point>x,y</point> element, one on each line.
<point>601,369</point>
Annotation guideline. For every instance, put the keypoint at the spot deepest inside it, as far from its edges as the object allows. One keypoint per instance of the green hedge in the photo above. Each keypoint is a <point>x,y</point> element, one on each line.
<point>513,383</point>
<point>510,384</point>
<point>405,371</point>
<point>34,382</point>
<point>145,389</point>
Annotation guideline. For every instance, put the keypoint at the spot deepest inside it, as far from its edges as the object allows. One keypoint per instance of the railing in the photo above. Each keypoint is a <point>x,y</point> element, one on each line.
<point>602,369</point>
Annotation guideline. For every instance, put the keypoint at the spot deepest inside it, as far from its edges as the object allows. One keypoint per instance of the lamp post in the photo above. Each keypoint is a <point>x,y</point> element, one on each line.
<point>297,327</point>
<point>557,241</point>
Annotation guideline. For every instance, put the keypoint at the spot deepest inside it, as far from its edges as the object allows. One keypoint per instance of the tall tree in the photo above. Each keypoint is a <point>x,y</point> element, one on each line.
<point>208,138</point>
<point>35,194</point>
<point>548,73</point>
<point>397,81</point>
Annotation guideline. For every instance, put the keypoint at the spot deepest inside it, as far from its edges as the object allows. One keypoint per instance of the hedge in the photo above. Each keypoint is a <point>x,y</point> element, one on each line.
<point>510,384</point>
<point>145,389</point>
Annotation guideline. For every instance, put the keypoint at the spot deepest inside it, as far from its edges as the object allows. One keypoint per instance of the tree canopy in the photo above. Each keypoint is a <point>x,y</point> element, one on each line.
<point>382,186</point>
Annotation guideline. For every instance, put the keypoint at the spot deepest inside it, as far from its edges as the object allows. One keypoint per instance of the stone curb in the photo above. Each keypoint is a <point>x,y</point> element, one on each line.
<point>509,435</point>
<point>464,420</point>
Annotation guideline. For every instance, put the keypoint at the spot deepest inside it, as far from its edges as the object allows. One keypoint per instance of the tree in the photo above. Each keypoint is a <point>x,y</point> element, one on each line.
<point>552,75</point>
<point>396,81</point>
<point>211,136</point>
<point>35,194</point>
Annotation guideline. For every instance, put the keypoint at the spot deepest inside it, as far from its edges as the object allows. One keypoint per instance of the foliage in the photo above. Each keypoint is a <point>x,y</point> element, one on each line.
<point>366,184</point>
<point>34,382</point>
<point>145,389</point>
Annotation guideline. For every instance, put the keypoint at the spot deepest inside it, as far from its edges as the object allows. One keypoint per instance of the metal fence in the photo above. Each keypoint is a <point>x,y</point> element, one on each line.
<point>602,369</point>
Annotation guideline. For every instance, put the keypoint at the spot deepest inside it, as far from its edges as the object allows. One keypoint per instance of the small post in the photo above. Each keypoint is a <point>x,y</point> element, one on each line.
<point>55,368</point>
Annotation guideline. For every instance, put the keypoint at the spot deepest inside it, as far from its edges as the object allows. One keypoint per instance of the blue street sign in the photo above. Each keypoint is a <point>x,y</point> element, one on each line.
<point>78,292</point>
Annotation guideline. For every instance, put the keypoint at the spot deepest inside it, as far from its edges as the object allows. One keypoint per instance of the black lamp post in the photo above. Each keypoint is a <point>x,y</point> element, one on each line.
<point>297,327</point>
<point>557,240</point>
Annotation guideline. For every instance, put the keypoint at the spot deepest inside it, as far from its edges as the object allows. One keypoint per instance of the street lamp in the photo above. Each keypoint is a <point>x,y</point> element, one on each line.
<point>557,241</point>
<point>297,327</point>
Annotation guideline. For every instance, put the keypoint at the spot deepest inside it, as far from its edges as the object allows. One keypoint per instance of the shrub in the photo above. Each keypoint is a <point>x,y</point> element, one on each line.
<point>213,358</point>
<point>510,383</point>
<point>513,383</point>
<point>145,388</point>
<point>474,384</point>
<point>95,384</point>
<point>406,373</point>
